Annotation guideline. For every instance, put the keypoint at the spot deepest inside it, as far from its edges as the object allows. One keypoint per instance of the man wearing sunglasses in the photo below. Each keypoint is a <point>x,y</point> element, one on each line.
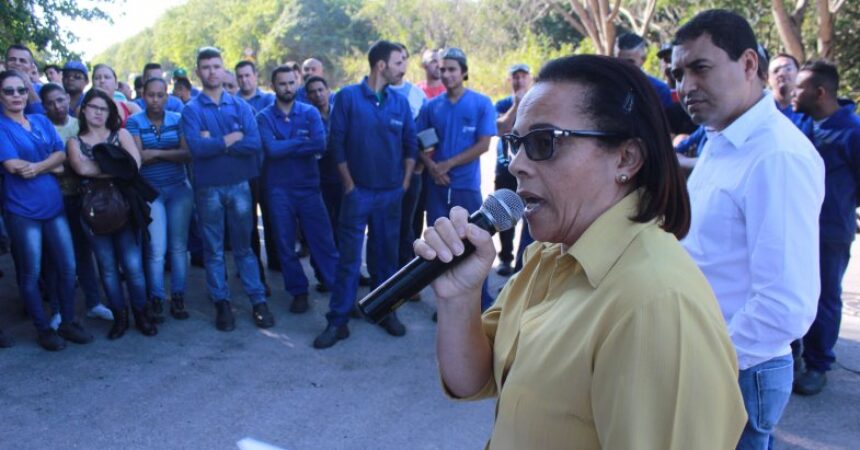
<point>464,122</point>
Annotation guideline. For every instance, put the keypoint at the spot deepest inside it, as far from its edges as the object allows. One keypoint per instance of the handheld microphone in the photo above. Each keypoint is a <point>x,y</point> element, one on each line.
<point>500,212</point>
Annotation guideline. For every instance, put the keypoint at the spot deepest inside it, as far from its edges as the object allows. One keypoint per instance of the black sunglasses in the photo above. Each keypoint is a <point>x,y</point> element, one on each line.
<point>11,91</point>
<point>540,144</point>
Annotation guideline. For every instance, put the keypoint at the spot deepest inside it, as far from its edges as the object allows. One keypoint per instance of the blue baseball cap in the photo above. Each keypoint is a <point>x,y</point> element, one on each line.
<point>78,66</point>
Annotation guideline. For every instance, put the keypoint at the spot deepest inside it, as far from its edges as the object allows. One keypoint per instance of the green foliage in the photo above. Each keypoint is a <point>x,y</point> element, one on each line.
<point>36,24</point>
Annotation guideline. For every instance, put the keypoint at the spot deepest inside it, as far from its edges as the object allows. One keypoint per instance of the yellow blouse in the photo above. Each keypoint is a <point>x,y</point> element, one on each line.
<point>617,343</point>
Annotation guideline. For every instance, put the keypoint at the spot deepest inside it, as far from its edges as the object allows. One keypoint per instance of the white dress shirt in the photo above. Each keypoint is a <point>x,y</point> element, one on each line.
<point>756,194</point>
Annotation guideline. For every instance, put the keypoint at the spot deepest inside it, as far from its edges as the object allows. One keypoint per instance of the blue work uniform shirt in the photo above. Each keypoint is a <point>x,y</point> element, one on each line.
<point>168,136</point>
<point>291,144</point>
<point>215,164</point>
<point>663,91</point>
<point>327,164</point>
<point>459,126</point>
<point>373,138</point>
<point>260,100</point>
<point>36,198</point>
<point>173,103</point>
<point>837,140</point>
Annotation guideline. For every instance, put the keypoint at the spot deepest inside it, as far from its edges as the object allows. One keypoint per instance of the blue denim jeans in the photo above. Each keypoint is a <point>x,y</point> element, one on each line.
<point>88,279</point>
<point>440,200</point>
<point>168,234</point>
<point>766,388</point>
<point>27,239</point>
<point>288,206</point>
<point>821,338</point>
<point>378,210</point>
<point>121,247</point>
<point>232,202</point>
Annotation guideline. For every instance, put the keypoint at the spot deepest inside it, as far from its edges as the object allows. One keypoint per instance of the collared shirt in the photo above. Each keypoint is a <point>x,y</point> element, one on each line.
<point>173,104</point>
<point>215,164</point>
<point>36,198</point>
<point>459,126</point>
<point>837,140</point>
<point>292,145</point>
<point>431,92</point>
<point>260,100</point>
<point>168,136</point>
<point>374,138</point>
<point>616,343</point>
<point>755,196</point>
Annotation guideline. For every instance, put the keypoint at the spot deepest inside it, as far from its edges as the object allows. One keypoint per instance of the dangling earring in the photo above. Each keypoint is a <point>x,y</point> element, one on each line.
<point>622,178</point>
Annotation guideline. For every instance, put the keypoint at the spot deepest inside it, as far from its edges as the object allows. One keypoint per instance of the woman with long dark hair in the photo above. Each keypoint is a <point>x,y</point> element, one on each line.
<point>30,150</point>
<point>100,123</point>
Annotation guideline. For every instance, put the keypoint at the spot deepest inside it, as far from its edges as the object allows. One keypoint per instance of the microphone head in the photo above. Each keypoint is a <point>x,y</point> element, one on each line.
<point>504,208</point>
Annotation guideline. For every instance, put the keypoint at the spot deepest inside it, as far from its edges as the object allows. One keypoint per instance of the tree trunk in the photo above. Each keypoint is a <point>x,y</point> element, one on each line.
<point>825,30</point>
<point>789,27</point>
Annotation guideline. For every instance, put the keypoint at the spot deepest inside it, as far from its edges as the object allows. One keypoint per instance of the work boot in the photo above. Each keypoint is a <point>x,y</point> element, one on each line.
<point>224,320</point>
<point>330,336</point>
<point>300,304</point>
<point>811,382</point>
<point>177,307</point>
<point>73,332</point>
<point>120,323</point>
<point>393,326</point>
<point>262,317</point>
<point>50,340</point>
<point>143,321</point>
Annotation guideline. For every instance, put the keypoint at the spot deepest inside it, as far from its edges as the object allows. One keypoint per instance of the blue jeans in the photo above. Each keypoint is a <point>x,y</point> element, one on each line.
<point>168,233</point>
<point>440,200</point>
<point>232,202</point>
<point>111,250</point>
<point>766,388</point>
<point>286,207</point>
<point>27,237</point>
<point>821,338</point>
<point>379,210</point>
<point>86,267</point>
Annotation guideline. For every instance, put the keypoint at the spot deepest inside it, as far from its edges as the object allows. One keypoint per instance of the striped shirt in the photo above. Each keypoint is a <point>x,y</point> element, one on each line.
<point>161,173</point>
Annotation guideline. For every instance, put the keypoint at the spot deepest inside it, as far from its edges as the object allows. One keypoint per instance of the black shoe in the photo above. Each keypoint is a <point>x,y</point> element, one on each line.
<point>6,341</point>
<point>155,310</point>
<point>50,340</point>
<point>73,332</point>
<point>300,304</point>
<point>120,323</point>
<point>393,326</point>
<point>177,307</point>
<point>505,269</point>
<point>224,320</point>
<point>321,287</point>
<point>268,291</point>
<point>331,335</point>
<point>363,280</point>
<point>811,382</point>
<point>143,321</point>
<point>262,317</point>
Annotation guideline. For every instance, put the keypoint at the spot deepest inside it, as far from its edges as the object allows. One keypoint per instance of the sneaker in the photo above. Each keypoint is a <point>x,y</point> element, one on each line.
<point>262,317</point>
<point>6,341</point>
<point>73,332</point>
<point>393,326</point>
<point>155,309</point>
<point>100,312</point>
<point>811,382</point>
<point>300,304</point>
<point>224,320</point>
<point>330,336</point>
<point>55,321</point>
<point>50,340</point>
<point>177,307</point>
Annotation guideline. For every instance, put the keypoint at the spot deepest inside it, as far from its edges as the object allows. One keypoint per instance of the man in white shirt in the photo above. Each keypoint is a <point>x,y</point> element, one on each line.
<point>755,195</point>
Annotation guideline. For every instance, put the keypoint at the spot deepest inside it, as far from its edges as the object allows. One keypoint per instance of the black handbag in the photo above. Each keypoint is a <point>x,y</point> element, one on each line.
<point>103,207</point>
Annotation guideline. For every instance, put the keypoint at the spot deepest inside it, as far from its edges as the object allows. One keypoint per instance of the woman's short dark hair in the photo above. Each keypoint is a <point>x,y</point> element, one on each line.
<point>154,80</point>
<point>113,122</point>
<point>621,99</point>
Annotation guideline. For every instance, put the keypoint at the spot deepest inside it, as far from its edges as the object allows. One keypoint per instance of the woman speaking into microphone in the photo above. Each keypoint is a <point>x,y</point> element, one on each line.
<point>610,336</point>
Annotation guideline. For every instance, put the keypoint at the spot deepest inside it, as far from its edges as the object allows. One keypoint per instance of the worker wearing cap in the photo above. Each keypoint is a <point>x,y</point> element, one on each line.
<point>75,79</point>
<point>464,122</point>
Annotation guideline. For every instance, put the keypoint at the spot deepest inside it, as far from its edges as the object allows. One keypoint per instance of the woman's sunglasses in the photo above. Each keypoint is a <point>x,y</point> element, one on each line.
<point>540,144</point>
<point>12,91</point>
